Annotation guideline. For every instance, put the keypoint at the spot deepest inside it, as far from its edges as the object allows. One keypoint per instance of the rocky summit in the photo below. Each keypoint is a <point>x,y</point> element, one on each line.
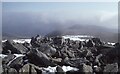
<point>60,55</point>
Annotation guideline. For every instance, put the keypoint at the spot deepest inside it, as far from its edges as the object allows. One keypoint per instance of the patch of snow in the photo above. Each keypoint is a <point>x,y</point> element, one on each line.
<point>81,36</point>
<point>3,56</point>
<point>19,40</point>
<point>77,37</point>
<point>53,69</point>
<point>22,40</point>
<point>16,55</point>
<point>50,69</point>
<point>19,55</point>
<point>4,40</point>
<point>111,43</point>
<point>95,66</point>
<point>68,68</point>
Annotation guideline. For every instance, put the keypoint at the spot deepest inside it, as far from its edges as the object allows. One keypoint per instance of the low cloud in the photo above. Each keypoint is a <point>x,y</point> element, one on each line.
<point>54,20</point>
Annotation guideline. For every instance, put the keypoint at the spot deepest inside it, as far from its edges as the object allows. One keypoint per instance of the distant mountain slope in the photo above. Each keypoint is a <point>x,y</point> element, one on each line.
<point>97,31</point>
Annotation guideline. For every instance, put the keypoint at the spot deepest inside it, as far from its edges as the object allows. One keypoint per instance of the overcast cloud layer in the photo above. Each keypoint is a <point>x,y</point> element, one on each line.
<point>47,17</point>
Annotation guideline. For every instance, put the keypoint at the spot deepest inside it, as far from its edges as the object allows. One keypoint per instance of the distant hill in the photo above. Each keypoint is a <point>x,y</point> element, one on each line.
<point>97,31</point>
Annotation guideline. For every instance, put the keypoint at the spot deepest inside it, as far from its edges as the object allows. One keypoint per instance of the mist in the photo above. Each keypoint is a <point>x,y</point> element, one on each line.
<point>29,19</point>
<point>24,22</point>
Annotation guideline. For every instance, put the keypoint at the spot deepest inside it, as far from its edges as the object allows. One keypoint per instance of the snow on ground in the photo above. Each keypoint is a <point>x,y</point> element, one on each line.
<point>19,55</point>
<point>4,40</point>
<point>77,37</point>
<point>82,38</point>
<point>68,68</point>
<point>16,55</point>
<point>111,43</point>
<point>3,56</point>
<point>19,40</point>
<point>22,40</point>
<point>53,69</point>
<point>71,37</point>
<point>48,69</point>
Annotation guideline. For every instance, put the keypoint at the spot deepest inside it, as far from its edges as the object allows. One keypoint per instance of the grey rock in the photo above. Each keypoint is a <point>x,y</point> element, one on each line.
<point>86,68</point>
<point>38,58</point>
<point>28,69</point>
<point>47,49</point>
<point>58,40</point>
<point>111,68</point>
<point>60,70</point>
<point>90,43</point>
<point>16,48</point>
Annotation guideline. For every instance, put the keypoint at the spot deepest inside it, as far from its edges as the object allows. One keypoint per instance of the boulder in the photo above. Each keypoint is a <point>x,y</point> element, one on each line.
<point>81,44</point>
<point>47,49</point>
<point>59,70</point>
<point>34,42</point>
<point>97,69</point>
<point>85,68</point>
<point>112,55</point>
<point>58,40</point>
<point>75,44</point>
<point>15,48</point>
<point>70,54</point>
<point>111,68</point>
<point>74,62</point>
<point>85,52</point>
<point>38,58</point>
<point>57,60</point>
<point>28,69</point>
<point>97,41</point>
<point>6,60</point>
<point>90,43</point>
<point>94,51</point>
<point>12,71</point>
<point>17,63</point>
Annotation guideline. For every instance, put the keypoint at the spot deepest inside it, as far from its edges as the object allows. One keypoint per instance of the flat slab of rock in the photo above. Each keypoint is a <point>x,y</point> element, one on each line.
<point>15,48</point>
<point>38,58</point>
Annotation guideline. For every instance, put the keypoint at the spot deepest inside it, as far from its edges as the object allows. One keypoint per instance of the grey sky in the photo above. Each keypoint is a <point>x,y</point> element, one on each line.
<point>82,13</point>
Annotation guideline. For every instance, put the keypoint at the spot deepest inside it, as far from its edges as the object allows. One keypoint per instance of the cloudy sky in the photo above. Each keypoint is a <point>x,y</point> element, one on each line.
<point>61,14</point>
<point>104,13</point>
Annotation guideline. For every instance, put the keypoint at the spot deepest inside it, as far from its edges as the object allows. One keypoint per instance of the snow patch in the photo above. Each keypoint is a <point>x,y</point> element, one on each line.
<point>50,69</point>
<point>22,40</point>
<point>53,69</point>
<point>68,68</point>
<point>19,55</point>
<point>3,56</point>
<point>4,40</point>
<point>19,40</point>
<point>111,43</point>
<point>77,37</point>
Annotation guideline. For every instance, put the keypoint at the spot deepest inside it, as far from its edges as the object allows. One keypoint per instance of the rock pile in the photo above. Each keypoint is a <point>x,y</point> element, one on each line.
<point>93,56</point>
